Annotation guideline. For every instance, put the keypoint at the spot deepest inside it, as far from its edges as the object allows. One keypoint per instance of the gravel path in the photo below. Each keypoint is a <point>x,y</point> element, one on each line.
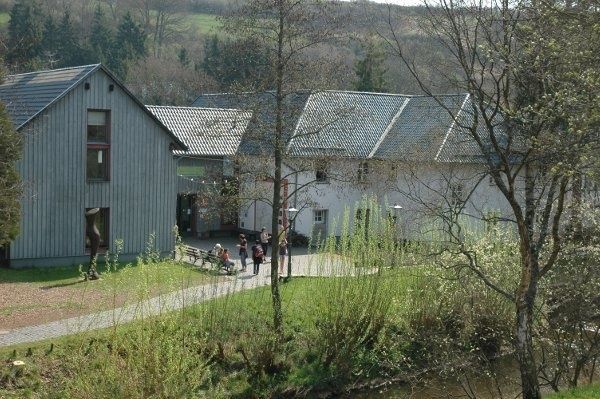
<point>303,265</point>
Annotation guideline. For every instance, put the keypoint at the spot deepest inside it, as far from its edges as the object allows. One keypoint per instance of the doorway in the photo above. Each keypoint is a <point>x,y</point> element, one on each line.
<point>187,215</point>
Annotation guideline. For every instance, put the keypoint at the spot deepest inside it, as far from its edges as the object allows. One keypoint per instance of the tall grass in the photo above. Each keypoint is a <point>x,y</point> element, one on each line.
<point>358,316</point>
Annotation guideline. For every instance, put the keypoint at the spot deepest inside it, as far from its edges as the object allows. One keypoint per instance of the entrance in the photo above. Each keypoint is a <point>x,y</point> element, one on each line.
<point>187,215</point>
<point>5,256</point>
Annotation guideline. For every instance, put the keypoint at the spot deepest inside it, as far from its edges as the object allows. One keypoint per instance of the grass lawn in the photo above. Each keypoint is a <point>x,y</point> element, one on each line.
<point>204,23</point>
<point>35,296</point>
<point>584,392</point>
<point>4,18</point>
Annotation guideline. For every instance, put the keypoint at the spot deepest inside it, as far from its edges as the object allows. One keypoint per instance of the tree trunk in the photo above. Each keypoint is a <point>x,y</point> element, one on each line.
<point>576,211</point>
<point>278,150</point>
<point>525,300</point>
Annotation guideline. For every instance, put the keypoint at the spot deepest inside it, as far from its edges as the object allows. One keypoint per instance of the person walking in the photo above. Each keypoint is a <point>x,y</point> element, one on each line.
<point>243,246</point>
<point>264,241</point>
<point>282,254</point>
<point>257,256</point>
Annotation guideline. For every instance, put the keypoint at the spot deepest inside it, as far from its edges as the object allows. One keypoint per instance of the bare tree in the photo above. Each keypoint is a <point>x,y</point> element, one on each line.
<point>288,30</point>
<point>162,19</point>
<point>532,129</point>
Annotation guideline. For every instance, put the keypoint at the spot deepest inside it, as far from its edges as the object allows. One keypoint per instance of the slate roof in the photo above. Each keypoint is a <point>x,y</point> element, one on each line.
<point>383,126</point>
<point>27,95</point>
<point>256,140</point>
<point>205,131</point>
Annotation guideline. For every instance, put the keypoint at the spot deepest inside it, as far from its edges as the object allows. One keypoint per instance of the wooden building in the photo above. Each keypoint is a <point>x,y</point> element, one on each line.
<point>88,143</point>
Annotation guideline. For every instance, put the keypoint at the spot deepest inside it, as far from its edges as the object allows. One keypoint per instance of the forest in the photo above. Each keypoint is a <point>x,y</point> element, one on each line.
<point>168,52</point>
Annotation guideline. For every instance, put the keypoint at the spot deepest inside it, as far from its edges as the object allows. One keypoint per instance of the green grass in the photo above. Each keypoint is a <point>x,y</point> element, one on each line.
<point>204,23</point>
<point>584,392</point>
<point>4,18</point>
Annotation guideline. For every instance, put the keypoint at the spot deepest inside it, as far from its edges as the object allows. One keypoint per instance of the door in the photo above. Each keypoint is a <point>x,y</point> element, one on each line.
<point>186,215</point>
<point>5,256</point>
<point>320,223</point>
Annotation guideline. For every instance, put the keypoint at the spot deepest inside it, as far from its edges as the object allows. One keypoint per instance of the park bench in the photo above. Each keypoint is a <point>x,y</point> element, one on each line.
<point>191,253</point>
<point>196,254</point>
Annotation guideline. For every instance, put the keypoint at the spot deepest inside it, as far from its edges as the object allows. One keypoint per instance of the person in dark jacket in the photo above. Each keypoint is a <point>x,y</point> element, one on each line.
<point>258,256</point>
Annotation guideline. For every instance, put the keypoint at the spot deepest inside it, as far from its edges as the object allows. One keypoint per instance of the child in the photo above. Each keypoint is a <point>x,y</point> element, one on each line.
<point>226,261</point>
<point>257,256</point>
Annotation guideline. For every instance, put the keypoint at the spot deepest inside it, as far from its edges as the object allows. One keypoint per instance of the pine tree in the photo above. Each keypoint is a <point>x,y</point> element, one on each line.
<point>50,41</point>
<point>129,45</point>
<point>69,51</point>
<point>370,71</point>
<point>10,188</point>
<point>102,40</point>
<point>25,32</point>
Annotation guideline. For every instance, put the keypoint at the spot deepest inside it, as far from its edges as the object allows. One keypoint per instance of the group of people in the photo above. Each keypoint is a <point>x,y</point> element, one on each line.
<point>258,250</point>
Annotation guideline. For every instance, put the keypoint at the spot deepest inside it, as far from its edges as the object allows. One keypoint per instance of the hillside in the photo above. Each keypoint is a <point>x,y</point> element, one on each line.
<point>172,71</point>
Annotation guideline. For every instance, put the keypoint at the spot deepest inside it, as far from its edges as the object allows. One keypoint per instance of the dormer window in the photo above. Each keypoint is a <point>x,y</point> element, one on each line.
<point>98,145</point>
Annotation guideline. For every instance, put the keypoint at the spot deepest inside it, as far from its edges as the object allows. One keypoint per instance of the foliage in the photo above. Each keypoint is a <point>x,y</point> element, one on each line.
<point>10,182</point>
<point>370,71</point>
<point>233,62</point>
<point>25,34</point>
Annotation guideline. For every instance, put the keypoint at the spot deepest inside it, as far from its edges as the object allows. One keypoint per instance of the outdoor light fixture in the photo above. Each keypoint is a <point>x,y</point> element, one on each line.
<point>396,207</point>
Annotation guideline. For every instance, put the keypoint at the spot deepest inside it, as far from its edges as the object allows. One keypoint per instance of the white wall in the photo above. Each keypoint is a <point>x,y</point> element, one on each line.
<point>417,188</point>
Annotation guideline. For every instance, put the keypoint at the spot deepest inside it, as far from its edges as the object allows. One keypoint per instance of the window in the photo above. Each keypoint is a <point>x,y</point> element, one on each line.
<point>321,176</point>
<point>457,194</point>
<point>102,225</point>
<point>98,145</point>
<point>363,171</point>
<point>320,216</point>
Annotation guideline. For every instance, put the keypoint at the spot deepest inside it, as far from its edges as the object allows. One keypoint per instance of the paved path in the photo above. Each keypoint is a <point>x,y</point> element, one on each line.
<point>303,265</point>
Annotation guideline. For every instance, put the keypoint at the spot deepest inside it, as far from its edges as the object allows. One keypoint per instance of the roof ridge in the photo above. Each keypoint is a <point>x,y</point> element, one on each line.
<point>388,128</point>
<point>54,70</point>
<point>392,94</point>
<point>196,108</point>
<point>467,96</point>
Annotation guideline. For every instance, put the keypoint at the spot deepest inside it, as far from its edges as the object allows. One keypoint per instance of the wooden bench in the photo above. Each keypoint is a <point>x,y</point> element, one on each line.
<point>190,252</point>
<point>215,261</point>
<point>206,257</point>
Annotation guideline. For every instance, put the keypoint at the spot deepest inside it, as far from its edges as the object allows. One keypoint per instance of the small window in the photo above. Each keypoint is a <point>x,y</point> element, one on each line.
<point>102,224</point>
<point>98,146</point>
<point>320,216</point>
<point>457,194</point>
<point>321,176</point>
<point>97,127</point>
<point>363,172</point>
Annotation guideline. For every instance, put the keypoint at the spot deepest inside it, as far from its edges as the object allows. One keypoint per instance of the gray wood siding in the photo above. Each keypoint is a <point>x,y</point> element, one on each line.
<point>141,193</point>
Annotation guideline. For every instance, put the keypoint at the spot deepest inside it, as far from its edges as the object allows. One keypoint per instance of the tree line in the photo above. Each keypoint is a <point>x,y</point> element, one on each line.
<point>36,41</point>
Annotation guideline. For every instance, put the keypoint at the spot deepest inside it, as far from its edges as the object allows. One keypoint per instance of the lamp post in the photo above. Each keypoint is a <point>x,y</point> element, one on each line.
<point>395,209</point>
<point>292,213</point>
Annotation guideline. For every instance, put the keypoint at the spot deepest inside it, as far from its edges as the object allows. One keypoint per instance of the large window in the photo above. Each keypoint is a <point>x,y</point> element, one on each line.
<point>102,225</point>
<point>98,145</point>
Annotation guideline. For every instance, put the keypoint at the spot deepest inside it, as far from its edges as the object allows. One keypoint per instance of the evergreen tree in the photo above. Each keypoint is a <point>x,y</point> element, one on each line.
<point>10,188</point>
<point>50,41</point>
<point>68,48</point>
<point>183,57</point>
<point>25,32</point>
<point>101,40</point>
<point>129,45</point>
<point>370,71</point>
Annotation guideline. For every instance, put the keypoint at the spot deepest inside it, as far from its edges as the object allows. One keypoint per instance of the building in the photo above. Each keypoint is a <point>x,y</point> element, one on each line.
<point>206,171</point>
<point>403,149</point>
<point>87,143</point>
